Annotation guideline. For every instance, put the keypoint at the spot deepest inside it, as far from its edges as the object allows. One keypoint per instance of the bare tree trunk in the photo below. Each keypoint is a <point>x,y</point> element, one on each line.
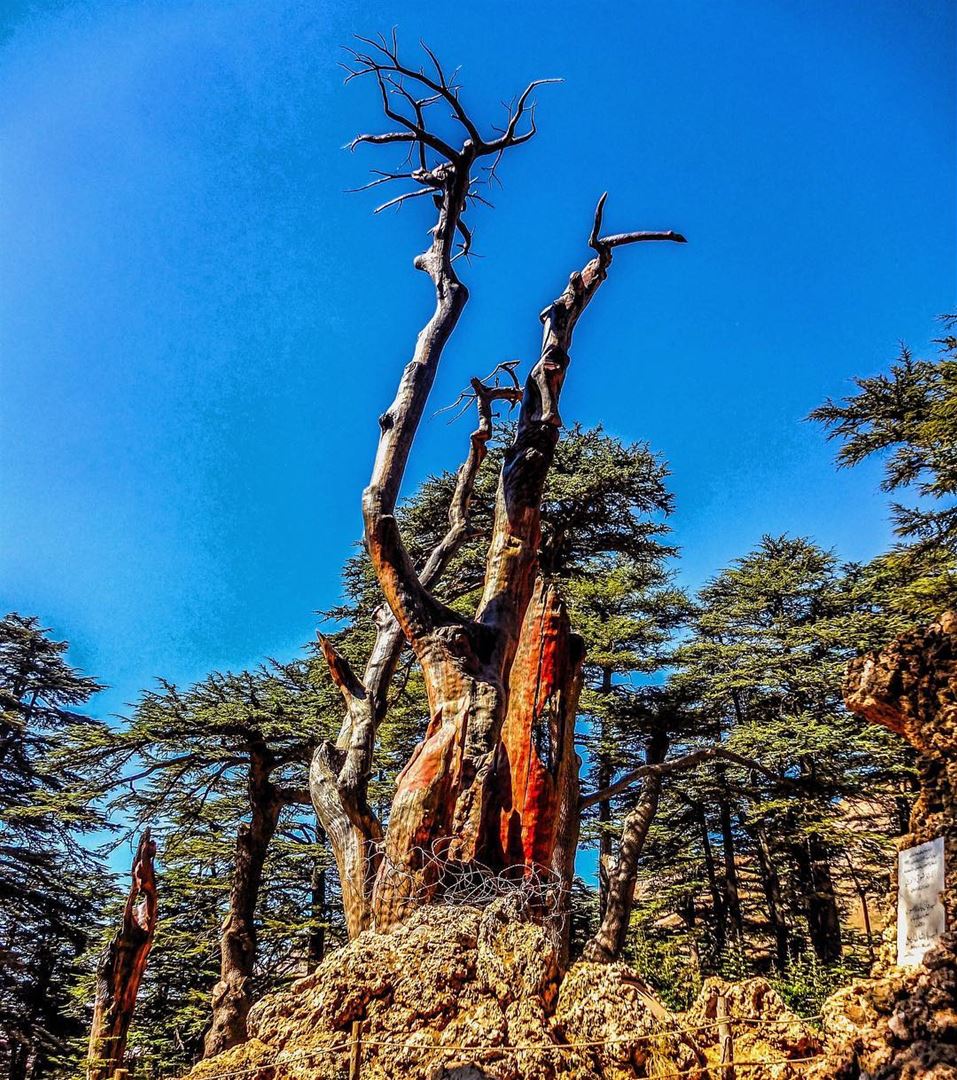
<point>609,940</point>
<point>447,804</point>
<point>232,995</point>
<point>534,762</point>
<point>771,884</point>
<point>445,793</point>
<point>717,897</point>
<point>338,782</point>
<point>121,968</point>
<point>732,898</point>
<point>603,779</point>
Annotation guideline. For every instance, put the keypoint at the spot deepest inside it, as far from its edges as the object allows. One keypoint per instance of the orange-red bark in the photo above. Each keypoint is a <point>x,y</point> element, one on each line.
<point>535,755</point>
<point>121,968</point>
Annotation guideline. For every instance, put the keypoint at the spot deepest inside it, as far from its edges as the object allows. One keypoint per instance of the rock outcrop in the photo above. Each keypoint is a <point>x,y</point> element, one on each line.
<point>899,1027</point>
<point>910,687</point>
<point>477,994</point>
<point>903,1024</point>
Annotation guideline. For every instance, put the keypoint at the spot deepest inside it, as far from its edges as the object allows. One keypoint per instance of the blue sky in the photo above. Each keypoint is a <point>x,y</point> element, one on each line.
<point>199,327</point>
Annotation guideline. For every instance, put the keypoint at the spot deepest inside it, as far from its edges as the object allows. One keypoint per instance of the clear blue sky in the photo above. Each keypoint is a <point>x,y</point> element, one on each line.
<point>199,328</point>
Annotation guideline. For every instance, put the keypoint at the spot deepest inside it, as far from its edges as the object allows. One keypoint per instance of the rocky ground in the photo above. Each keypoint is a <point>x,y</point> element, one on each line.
<point>475,994</point>
<point>899,1027</point>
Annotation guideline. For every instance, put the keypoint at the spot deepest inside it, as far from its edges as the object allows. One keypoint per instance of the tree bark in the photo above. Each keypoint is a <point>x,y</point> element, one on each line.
<point>609,940</point>
<point>533,826</point>
<point>121,968</point>
<point>445,806</point>
<point>232,995</point>
<point>771,884</point>
<point>731,895</point>
<point>446,793</point>
<point>340,771</point>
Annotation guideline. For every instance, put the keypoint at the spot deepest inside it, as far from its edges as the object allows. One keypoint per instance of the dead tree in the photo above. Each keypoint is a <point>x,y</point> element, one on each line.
<point>121,968</point>
<point>502,685</point>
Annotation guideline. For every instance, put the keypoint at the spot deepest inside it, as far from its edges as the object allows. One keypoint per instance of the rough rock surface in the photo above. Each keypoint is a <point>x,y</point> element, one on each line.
<point>899,1027</point>
<point>476,994</point>
<point>903,1025</point>
<point>910,687</point>
<point>781,1039</point>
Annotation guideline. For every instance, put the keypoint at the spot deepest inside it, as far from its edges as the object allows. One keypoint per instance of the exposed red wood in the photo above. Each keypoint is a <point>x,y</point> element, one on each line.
<point>121,968</point>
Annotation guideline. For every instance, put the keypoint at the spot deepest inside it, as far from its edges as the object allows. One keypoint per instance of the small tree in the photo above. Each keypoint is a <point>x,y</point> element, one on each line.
<point>238,744</point>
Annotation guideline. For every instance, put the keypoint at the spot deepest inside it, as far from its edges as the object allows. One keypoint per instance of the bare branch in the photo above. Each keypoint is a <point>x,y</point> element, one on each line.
<point>399,199</point>
<point>382,178</point>
<point>386,137</point>
<point>689,761</point>
<point>508,137</point>
<point>596,227</point>
<point>618,239</point>
<point>346,680</point>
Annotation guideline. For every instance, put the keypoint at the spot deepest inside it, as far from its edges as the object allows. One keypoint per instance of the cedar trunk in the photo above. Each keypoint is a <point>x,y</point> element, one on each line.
<point>609,941</point>
<point>494,781</point>
<point>121,968</point>
<point>232,995</point>
<point>820,899</point>
<point>771,884</point>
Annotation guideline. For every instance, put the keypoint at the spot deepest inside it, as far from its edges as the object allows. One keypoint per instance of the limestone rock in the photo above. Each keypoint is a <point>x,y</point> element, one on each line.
<point>458,992</point>
<point>899,1027</point>
<point>910,687</point>
<point>609,1006</point>
<point>763,1028</point>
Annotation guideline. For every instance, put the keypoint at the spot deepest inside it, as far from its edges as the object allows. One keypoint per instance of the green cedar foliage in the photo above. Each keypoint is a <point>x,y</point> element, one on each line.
<point>762,670</point>
<point>50,882</point>
<point>908,418</point>
<point>181,765</point>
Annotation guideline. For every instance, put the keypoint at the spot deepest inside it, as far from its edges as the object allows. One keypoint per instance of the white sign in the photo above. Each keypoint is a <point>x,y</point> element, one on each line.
<point>920,908</point>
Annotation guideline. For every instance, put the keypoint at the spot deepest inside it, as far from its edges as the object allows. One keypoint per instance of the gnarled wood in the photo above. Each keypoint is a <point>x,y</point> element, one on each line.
<point>447,793</point>
<point>535,758</point>
<point>340,771</point>
<point>121,968</point>
<point>910,687</point>
<point>447,801</point>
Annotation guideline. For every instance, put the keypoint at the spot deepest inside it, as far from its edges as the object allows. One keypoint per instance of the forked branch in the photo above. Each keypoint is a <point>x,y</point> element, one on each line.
<point>407,94</point>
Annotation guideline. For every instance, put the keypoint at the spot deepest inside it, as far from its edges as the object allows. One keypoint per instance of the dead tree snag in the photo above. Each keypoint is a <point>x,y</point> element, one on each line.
<point>502,686</point>
<point>121,968</point>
